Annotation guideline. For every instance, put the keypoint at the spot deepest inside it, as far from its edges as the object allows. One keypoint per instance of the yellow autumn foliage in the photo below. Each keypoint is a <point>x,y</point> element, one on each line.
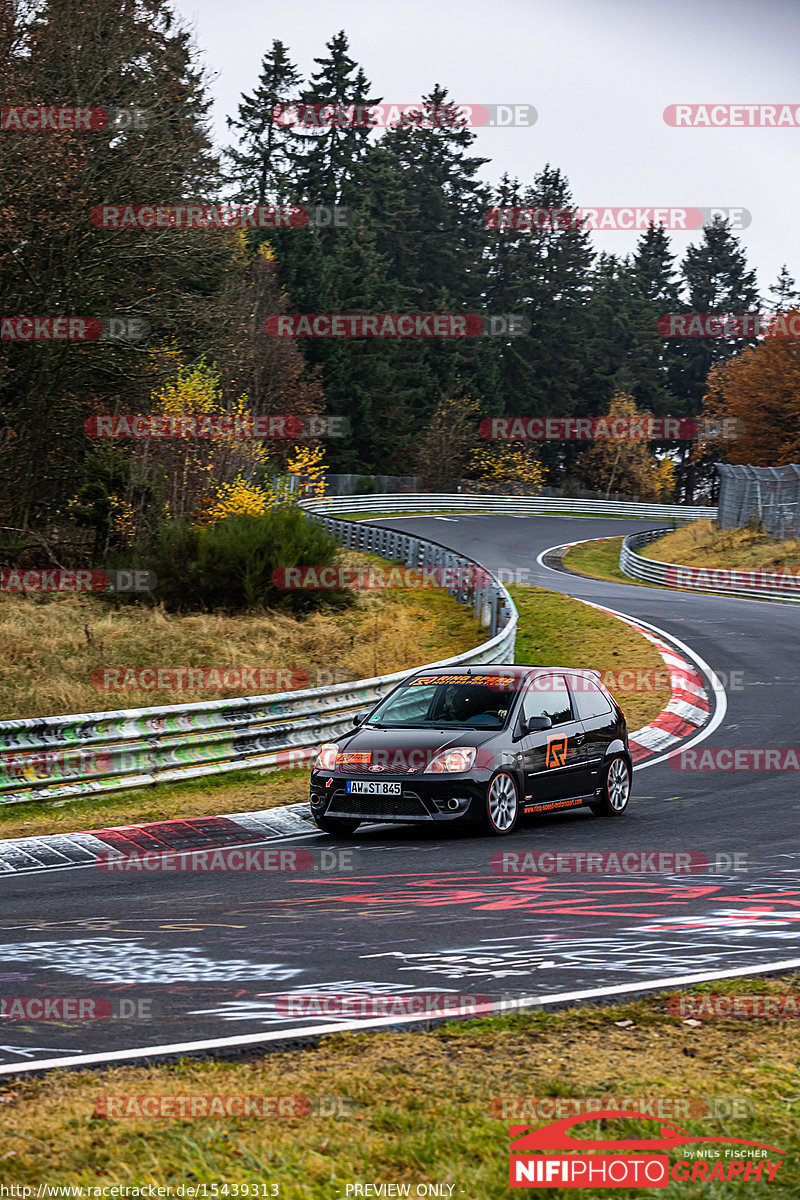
<point>507,462</point>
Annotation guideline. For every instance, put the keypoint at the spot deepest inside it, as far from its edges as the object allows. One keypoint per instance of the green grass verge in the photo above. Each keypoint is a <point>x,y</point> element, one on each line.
<point>417,1108</point>
<point>597,559</point>
<point>558,630</point>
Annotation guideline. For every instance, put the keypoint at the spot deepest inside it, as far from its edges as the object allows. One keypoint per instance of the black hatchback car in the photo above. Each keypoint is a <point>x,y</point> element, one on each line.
<point>479,744</point>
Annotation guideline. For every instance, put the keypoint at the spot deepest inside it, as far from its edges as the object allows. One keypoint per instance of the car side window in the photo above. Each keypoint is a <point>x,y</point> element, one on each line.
<point>590,700</point>
<point>548,697</point>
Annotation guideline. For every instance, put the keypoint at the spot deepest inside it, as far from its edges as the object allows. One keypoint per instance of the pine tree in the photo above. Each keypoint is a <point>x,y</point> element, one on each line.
<point>361,376</point>
<point>611,309</point>
<point>261,166</point>
<point>417,247</point>
<point>326,161</point>
<point>546,276</point>
<point>784,292</point>
<point>54,261</point>
<point>426,203</point>
<point>717,280</point>
<point>656,293</point>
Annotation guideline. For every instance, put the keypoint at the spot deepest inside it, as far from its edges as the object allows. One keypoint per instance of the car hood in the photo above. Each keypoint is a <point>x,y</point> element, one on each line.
<point>408,751</point>
<point>433,740</point>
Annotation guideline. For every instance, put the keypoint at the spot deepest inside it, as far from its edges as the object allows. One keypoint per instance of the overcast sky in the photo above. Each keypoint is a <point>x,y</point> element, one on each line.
<point>598,72</point>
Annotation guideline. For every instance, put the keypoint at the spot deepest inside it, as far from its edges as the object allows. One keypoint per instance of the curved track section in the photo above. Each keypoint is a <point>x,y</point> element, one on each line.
<point>220,962</point>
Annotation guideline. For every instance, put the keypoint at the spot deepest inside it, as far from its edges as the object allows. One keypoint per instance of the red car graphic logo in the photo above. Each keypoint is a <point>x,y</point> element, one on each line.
<point>556,1136</point>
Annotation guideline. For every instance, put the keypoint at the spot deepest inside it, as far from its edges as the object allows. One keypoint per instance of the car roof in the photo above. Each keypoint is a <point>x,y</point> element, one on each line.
<point>515,670</point>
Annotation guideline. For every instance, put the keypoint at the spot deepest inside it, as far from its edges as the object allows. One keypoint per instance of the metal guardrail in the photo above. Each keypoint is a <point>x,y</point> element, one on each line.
<point>52,757</point>
<point>723,580</point>
<point>415,502</point>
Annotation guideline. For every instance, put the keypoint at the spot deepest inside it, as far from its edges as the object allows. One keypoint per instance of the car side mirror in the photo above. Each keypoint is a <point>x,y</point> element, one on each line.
<point>358,718</point>
<point>535,724</point>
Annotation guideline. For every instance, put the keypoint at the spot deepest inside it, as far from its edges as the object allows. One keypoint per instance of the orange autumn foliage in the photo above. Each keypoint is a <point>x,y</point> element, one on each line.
<point>760,391</point>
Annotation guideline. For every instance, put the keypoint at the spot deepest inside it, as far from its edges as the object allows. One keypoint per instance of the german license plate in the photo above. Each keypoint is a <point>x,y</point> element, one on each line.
<point>373,787</point>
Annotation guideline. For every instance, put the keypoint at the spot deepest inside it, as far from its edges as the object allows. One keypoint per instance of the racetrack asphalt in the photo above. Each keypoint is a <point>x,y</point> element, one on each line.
<point>190,957</point>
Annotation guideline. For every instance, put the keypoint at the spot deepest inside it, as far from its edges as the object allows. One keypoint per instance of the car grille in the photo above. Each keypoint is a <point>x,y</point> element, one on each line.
<point>377,807</point>
<point>396,768</point>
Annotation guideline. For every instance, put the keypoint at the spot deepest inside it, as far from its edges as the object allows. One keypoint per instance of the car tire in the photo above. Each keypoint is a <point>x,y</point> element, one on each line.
<point>502,805</point>
<point>337,826</point>
<point>616,789</point>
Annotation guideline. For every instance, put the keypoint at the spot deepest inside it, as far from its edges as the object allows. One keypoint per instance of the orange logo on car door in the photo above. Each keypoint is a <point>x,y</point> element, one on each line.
<point>556,752</point>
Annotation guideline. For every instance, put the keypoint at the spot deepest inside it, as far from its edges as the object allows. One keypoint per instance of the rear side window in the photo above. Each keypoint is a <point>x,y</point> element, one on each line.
<point>548,697</point>
<point>590,700</point>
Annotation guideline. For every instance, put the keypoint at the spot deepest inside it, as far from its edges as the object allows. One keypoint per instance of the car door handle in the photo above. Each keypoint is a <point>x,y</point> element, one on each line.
<point>579,738</point>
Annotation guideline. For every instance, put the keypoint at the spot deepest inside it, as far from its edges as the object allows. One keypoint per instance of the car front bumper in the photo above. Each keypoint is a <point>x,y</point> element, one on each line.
<point>422,798</point>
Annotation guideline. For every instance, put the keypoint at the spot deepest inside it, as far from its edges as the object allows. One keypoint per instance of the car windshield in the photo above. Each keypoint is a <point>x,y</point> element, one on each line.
<point>457,702</point>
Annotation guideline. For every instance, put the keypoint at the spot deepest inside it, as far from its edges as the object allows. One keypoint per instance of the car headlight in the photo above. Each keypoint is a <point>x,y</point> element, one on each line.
<point>460,758</point>
<point>326,757</point>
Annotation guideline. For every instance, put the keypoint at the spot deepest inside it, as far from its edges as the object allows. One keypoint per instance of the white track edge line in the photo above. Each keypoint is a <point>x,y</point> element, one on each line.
<point>285,1035</point>
<point>719,691</point>
<point>656,587</point>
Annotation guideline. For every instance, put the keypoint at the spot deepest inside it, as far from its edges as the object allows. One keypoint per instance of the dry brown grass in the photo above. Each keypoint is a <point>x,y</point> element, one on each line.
<point>52,644</point>
<point>703,544</point>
